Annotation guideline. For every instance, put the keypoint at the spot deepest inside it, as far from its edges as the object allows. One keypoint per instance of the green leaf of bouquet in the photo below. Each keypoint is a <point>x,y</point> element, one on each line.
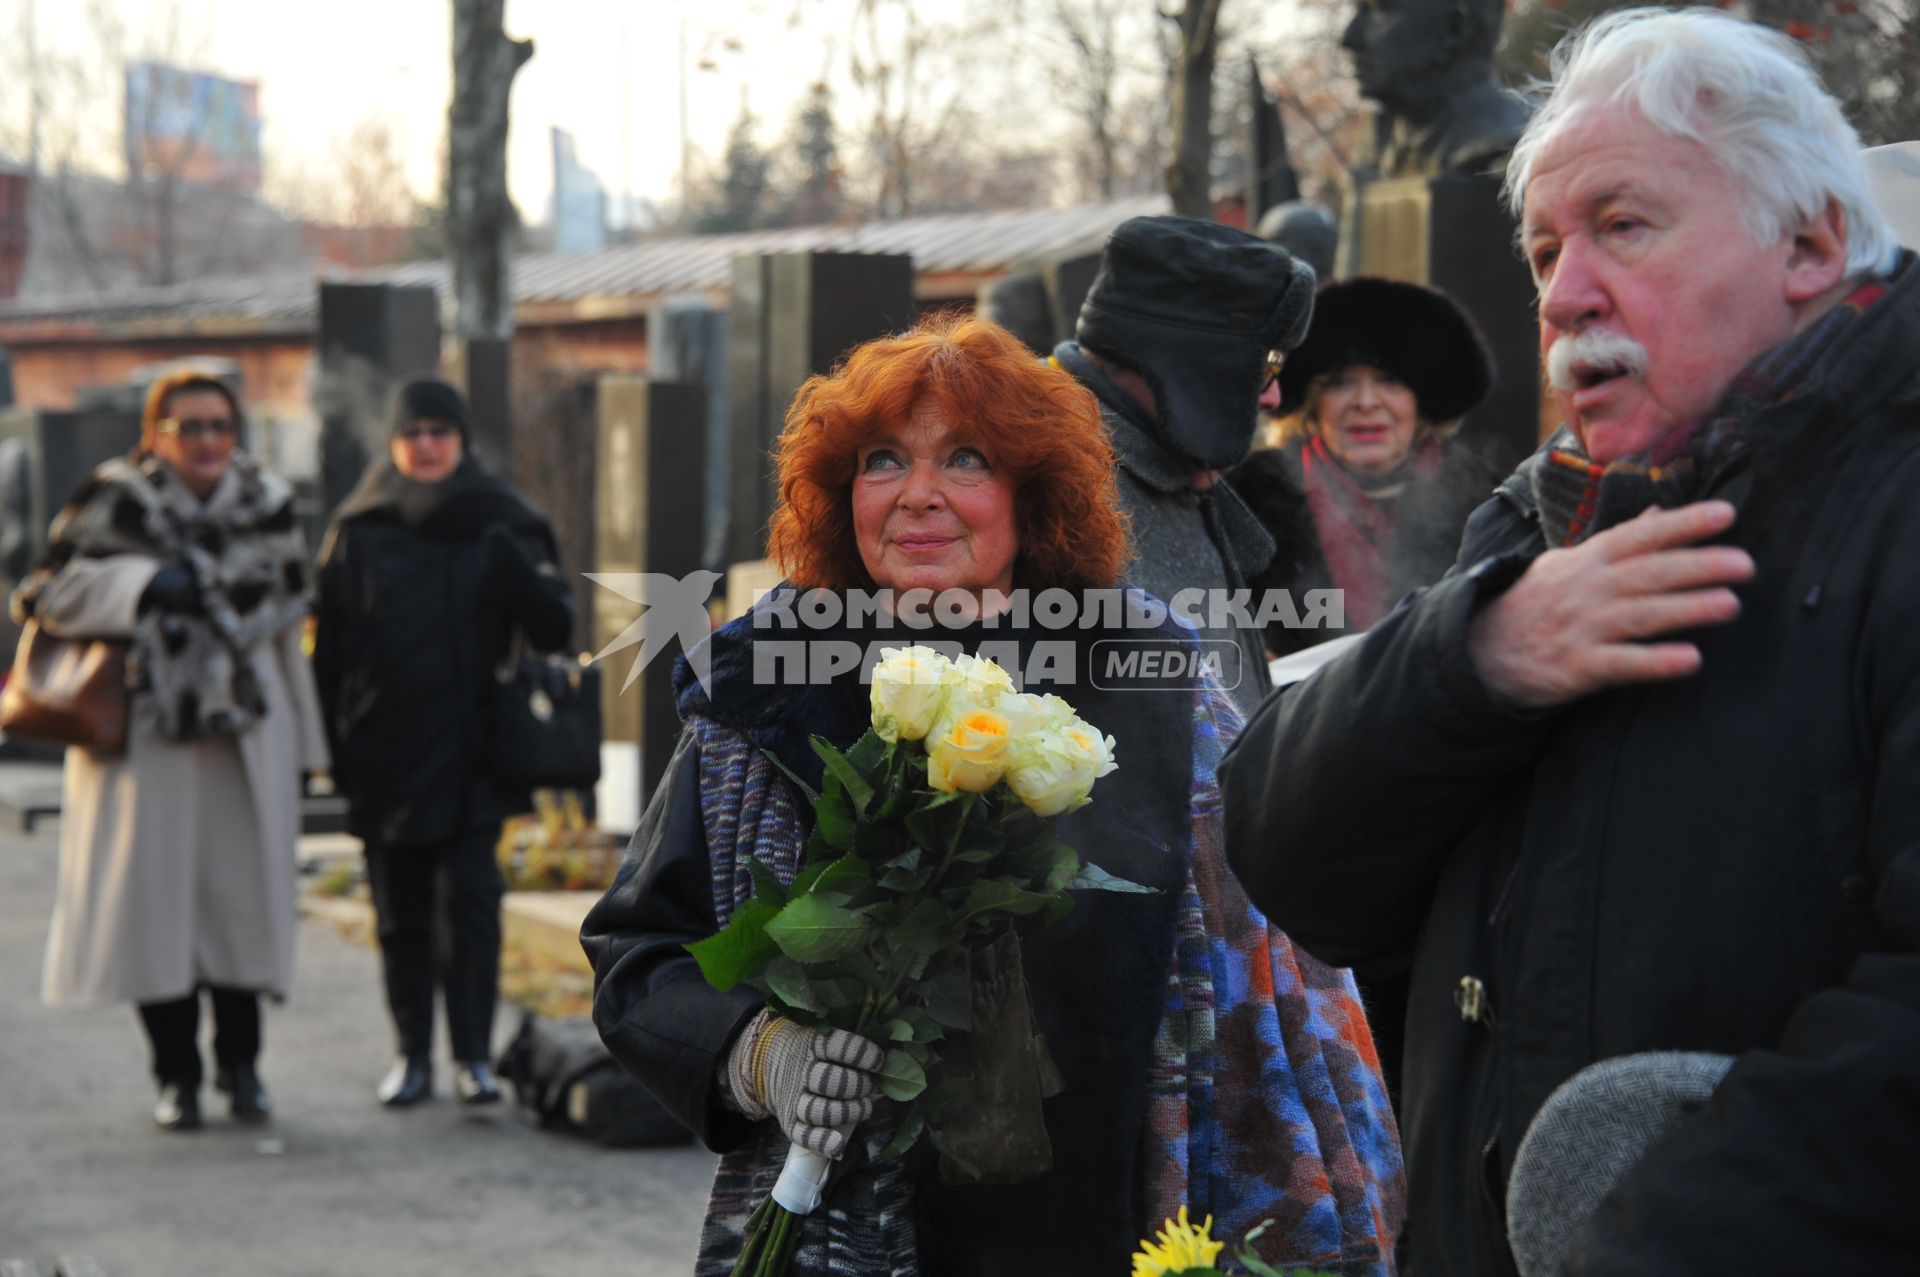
<point>845,875</point>
<point>766,885</point>
<point>925,1029</point>
<point>906,871</point>
<point>927,929</point>
<point>738,950</point>
<point>1092,877</point>
<point>949,1157</point>
<point>946,1096</point>
<point>948,997</point>
<point>813,795</point>
<point>871,755</point>
<point>840,993</point>
<point>935,824</point>
<point>911,1127</point>
<point>898,1030</point>
<point>1001,895</point>
<point>901,1077</point>
<point>809,874</point>
<point>1047,863</point>
<point>858,788</point>
<point>817,928</point>
<point>877,839</point>
<point>788,981</point>
<point>832,821</point>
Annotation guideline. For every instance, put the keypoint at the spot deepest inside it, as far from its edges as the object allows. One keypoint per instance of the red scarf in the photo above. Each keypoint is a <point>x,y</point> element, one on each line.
<point>1354,530</point>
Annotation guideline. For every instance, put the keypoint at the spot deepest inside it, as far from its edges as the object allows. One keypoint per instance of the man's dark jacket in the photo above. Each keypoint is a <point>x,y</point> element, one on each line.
<point>1726,863</point>
<point>415,611</point>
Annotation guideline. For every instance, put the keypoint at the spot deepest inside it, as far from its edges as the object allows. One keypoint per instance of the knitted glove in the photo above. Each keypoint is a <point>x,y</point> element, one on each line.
<point>818,1086</point>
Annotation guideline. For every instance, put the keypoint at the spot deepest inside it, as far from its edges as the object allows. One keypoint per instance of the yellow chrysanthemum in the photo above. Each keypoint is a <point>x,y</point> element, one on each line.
<point>1181,1246</point>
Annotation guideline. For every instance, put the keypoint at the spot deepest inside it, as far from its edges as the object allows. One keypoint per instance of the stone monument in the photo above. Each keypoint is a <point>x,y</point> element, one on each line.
<point>1426,203</point>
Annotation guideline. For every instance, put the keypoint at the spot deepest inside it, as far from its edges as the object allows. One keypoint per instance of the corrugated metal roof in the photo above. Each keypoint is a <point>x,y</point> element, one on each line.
<point>976,243</point>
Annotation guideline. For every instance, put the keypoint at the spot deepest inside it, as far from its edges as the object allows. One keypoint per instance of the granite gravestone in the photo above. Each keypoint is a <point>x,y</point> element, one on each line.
<point>793,315</point>
<point>687,346</point>
<point>371,337</point>
<point>651,449</point>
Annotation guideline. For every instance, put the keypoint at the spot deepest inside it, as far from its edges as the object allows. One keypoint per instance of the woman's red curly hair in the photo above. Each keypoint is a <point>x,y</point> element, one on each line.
<point>1034,421</point>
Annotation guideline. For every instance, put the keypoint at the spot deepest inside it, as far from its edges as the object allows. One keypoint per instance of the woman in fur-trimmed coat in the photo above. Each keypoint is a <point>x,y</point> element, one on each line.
<point>1368,491</point>
<point>177,858</point>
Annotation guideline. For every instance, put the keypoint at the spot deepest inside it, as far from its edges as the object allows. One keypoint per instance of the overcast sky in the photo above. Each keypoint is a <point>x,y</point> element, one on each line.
<point>607,70</point>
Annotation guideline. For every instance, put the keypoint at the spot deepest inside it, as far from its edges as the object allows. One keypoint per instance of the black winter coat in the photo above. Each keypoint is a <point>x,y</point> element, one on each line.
<point>415,612</point>
<point>1728,863</point>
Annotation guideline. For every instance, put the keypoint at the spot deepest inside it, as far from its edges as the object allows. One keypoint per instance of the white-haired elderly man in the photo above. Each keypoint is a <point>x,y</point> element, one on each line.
<point>1643,772</point>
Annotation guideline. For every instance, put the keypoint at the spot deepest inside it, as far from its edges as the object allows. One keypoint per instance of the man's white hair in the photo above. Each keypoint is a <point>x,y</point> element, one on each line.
<point>1745,92</point>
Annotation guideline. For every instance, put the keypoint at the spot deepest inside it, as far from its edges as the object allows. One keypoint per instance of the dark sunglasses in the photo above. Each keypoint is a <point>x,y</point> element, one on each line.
<point>216,428</point>
<point>427,430</point>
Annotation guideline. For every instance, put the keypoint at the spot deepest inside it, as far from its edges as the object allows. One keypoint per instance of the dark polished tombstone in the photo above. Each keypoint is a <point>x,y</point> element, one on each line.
<point>484,372</point>
<point>54,453</point>
<point>1453,233</point>
<point>652,439</point>
<point>371,336</point>
<point>44,458</point>
<point>793,315</point>
<point>687,345</point>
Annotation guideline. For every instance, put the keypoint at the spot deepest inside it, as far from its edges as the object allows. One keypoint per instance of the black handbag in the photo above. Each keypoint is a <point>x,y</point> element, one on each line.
<point>546,723</point>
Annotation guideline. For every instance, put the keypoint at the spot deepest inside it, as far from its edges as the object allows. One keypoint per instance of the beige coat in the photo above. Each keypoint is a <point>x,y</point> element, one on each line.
<point>177,860</point>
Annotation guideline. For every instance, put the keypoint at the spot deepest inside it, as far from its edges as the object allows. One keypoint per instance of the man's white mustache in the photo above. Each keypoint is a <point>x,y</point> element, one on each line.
<point>1594,348</point>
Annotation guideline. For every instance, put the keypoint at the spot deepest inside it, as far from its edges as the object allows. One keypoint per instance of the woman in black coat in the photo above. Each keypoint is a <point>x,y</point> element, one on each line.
<point>431,569</point>
<point>1366,495</point>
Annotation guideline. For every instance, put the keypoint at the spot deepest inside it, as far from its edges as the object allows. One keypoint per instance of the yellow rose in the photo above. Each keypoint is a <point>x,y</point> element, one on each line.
<point>968,752</point>
<point>984,681</point>
<point>1053,771</point>
<point>1029,715</point>
<point>910,690</point>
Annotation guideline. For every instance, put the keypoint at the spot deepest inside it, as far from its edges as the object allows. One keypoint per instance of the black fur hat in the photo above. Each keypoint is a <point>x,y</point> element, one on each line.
<point>1420,335</point>
<point>428,399</point>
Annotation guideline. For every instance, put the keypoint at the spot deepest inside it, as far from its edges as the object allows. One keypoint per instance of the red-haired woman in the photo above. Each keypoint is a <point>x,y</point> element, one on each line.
<point>177,858</point>
<point>1203,1061</point>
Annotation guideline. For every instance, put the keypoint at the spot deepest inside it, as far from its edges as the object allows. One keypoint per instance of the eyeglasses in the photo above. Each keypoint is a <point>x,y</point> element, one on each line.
<point>435,430</point>
<point>1275,358</point>
<point>212,427</point>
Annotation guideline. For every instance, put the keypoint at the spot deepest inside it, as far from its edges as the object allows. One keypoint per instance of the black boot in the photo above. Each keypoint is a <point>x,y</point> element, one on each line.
<point>242,1086</point>
<point>409,1081</point>
<point>474,1083</point>
<point>178,1109</point>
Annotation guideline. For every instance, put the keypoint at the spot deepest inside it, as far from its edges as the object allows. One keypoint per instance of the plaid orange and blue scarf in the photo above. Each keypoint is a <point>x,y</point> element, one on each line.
<point>1578,497</point>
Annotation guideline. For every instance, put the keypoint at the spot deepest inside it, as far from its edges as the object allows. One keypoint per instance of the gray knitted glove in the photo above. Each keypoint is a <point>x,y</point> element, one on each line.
<point>818,1086</point>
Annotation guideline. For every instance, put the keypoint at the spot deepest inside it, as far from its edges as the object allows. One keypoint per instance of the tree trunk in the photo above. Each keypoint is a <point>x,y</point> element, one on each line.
<point>478,213</point>
<point>1189,177</point>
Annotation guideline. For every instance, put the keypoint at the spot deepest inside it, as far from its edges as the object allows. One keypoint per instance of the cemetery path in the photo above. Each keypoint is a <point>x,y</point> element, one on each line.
<point>335,1185</point>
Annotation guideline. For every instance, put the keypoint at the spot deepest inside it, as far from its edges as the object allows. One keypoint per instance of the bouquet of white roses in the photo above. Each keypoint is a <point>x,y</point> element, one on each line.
<point>931,834</point>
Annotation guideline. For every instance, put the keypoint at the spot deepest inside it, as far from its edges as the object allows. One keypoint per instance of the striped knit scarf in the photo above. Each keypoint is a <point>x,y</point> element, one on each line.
<point>1263,1050</point>
<point>866,1227</point>
<point>1266,1100</point>
<point>1578,497</point>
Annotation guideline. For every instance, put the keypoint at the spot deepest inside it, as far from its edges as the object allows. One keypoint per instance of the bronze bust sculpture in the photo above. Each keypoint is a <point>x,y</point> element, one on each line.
<point>1429,66</point>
